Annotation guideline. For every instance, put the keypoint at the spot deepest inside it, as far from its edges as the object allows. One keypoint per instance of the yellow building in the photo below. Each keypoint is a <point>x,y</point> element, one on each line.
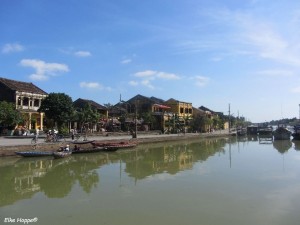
<point>182,113</point>
<point>27,97</point>
<point>184,110</point>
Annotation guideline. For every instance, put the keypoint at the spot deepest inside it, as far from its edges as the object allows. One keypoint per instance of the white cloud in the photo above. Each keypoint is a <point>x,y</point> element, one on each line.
<point>167,76</point>
<point>82,54</point>
<point>38,77</point>
<point>200,81</point>
<point>126,61</point>
<point>9,48</point>
<point>247,33</point>
<point>277,73</point>
<point>295,89</point>
<point>133,83</point>
<point>147,83</point>
<point>267,39</point>
<point>150,75</point>
<point>93,86</point>
<point>90,85</point>
<point>146,73</point>
<point>43,70</point>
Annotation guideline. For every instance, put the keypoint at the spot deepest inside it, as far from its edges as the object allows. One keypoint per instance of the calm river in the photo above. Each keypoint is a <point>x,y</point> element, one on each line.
<point>250,181</point>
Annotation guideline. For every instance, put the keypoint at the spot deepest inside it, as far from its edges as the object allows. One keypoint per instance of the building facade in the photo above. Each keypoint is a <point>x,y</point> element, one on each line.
<point>27,97</point>
<point>182,109</point>
<point>102,110</point>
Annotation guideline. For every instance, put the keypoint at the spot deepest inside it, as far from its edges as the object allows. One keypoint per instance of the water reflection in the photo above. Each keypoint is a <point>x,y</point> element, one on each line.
<point>24,177</point>
<point>21,178</point>
<point>296,145</point>
<point>282,146</point>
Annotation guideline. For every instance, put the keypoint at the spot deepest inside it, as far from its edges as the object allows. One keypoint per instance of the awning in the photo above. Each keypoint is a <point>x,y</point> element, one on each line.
<point>161,106</point>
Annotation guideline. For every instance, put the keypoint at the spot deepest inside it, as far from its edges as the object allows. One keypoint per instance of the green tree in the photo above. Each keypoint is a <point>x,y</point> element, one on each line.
<point>58,107</point>
<point>201,123</point>
<point>148,118</point>
<point>87,115</point>
<point>9,116</point>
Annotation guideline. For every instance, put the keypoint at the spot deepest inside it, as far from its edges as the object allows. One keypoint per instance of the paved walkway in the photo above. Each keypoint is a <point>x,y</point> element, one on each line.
<point>27,141</point>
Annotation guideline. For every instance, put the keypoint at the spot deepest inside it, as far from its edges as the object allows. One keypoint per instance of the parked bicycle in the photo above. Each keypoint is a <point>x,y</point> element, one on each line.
<point>78,137</point>
<point>34,140</point>
<point>54,137</point>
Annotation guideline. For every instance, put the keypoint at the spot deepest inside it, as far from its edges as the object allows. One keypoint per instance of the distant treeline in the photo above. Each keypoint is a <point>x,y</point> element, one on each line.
<point>286,121</point>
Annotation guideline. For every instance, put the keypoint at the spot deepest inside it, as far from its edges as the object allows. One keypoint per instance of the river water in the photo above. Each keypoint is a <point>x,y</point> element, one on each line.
<point>211,182</point>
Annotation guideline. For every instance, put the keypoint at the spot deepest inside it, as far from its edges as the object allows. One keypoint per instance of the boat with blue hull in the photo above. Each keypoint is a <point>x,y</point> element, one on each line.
<point>34,154</point>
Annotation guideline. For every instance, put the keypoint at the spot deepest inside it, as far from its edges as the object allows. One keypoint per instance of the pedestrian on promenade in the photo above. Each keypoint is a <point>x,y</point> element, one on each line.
<point>37,132</point>
<point>72,134</point>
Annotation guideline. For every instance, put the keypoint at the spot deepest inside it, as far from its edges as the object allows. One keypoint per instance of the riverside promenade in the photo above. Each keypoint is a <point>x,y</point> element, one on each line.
<point>8,145</point>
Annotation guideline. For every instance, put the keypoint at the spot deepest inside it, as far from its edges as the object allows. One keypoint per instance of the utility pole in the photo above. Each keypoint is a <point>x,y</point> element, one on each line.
<point>229,119</point>
<point>135,122</point>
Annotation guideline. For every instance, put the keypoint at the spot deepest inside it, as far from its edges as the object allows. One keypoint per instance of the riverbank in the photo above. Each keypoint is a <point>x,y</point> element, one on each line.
<point>8,146</point>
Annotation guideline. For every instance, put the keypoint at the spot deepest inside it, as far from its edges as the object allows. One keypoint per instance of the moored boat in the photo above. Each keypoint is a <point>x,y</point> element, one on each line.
<point>81,142</point>
<point>296,133</point>
<point>282,133</point>
<point>114,145</point>
<point>34,154</point>
<point>63,154</point>
<point>109,148</point>
<point>91,150</point>
<point>265,131</point>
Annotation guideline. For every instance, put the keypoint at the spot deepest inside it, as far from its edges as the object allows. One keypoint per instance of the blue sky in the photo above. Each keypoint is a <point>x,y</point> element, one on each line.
<point>208,52</point>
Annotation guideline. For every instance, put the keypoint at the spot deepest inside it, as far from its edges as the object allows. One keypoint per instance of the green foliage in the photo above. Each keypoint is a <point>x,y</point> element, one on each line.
<point>58,107</point>
<point>200,122</point>
<point>87,115</point>
<point>63,130</point>
<point>9,116</point>
<point>291,121</point>
<point>148,118</point>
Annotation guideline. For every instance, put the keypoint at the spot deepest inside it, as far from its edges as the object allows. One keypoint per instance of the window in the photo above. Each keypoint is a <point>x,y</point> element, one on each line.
<point>36,103</point>
<point>25,101</point>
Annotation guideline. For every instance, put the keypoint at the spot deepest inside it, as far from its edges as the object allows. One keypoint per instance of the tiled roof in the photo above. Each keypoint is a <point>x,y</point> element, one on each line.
<point>206,109</point>
<point>80,103</point>
<point>22,86</point>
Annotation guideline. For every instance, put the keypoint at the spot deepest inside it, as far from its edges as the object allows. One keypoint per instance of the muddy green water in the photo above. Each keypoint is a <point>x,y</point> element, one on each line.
<point>249,181</point>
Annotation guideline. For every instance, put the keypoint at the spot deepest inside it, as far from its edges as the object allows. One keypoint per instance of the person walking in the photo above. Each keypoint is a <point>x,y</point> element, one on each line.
<point>34,140</point>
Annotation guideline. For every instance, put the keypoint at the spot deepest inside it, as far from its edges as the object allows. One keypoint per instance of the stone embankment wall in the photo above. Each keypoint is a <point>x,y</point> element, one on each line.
<point>10,150</point>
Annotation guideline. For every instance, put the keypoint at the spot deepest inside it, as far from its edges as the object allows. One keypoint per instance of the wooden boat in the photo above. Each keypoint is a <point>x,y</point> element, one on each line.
<point>81,142</point>
<point>114,145</point>
<point>282,133</point>
<point>64,154</point>
<point>92,150</point>
<point>109,148</point>
<point>34,154</point>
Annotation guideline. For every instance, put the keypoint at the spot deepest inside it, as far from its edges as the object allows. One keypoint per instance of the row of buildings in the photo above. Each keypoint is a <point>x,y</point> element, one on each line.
<point>166,115</point>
